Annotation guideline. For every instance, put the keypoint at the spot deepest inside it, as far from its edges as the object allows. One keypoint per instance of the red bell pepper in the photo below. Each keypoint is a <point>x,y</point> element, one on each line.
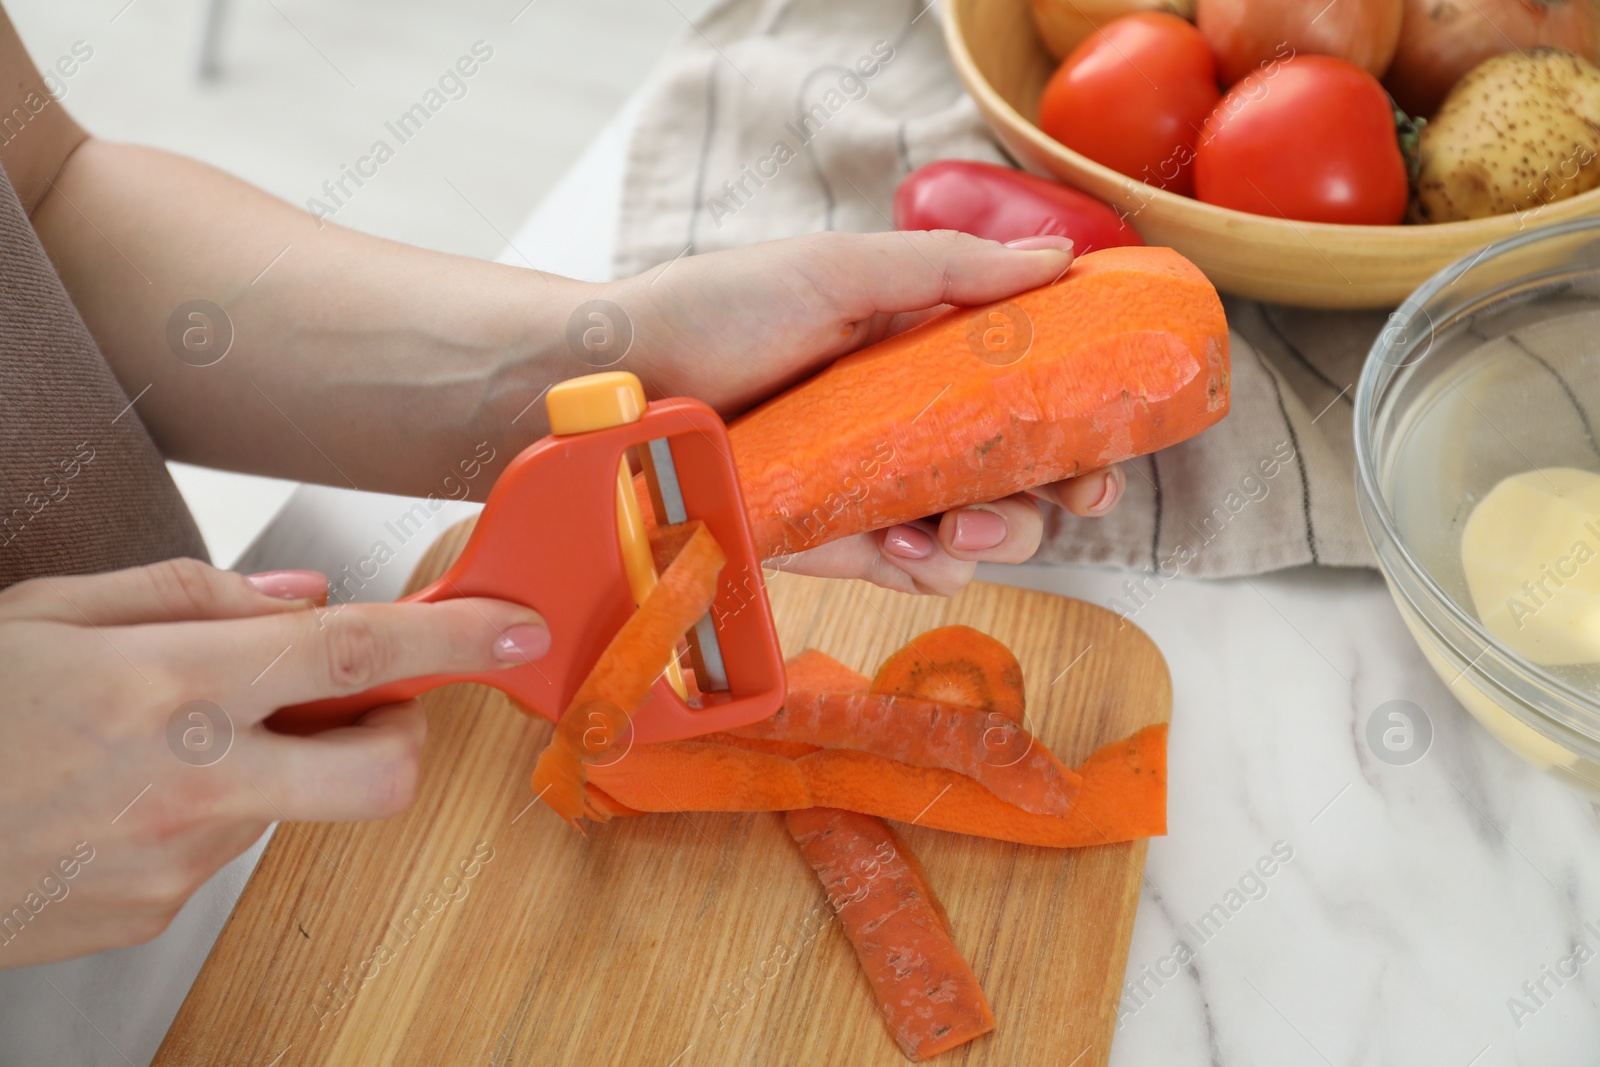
<point>1002,204</point>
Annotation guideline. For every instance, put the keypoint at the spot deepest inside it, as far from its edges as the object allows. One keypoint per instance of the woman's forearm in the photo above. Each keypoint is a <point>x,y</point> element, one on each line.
<point>353,360</point>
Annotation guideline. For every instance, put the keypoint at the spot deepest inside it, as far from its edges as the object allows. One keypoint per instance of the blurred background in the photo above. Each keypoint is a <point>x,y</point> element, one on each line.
<point>296,90</point>
<point>302,87</point>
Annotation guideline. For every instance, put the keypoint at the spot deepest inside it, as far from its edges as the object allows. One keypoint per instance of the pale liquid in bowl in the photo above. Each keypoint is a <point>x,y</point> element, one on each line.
<point>1527,400</point>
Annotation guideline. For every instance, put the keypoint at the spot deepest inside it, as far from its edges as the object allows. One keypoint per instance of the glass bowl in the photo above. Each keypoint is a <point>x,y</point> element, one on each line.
<point>1490,369</point>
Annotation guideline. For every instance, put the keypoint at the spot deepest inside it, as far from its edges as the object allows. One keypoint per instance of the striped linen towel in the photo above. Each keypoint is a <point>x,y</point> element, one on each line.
<point>774,118</point>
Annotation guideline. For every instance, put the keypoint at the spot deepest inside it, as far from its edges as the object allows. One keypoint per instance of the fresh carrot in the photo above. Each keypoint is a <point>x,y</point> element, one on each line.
<point>1126,354</point>
<point>620,680</point>
<point>1123,794</point>
<point>815,669</point>
<point>924,988</point>
<point>956,665</point>
<point>985,746</point>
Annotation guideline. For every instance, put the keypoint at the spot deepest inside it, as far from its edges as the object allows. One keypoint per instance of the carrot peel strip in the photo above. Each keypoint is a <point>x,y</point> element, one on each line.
<point>925,990</point>
<point>620,681</point>
<point>599,806</point>
<point>815,669</point>
<point>1124,794</point>
<point>988,747</point>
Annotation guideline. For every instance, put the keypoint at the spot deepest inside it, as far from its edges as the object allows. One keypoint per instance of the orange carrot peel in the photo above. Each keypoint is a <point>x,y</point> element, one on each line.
<point>842,755</point>
<point>1123,796</point>
<point>620,681</point>
<point>925,990</point>
<point>988,747</point>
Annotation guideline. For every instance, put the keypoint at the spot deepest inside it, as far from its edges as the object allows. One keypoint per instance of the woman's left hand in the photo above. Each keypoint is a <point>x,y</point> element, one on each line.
<point>735,327</point>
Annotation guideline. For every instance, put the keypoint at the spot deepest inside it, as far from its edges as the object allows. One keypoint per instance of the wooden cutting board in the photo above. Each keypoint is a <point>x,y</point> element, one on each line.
<point>476,928</point>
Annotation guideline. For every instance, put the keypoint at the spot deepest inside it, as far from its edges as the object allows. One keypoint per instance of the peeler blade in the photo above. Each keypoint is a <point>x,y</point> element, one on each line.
<point>666,493</point>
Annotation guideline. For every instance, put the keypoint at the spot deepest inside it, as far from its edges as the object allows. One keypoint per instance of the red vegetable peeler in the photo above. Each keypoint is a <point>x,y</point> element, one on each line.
<point>562,533</point>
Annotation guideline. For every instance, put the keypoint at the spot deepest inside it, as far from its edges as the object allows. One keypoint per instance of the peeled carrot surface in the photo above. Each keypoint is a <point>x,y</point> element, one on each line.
<point>926,992</point>
<point>956,665</point>
<point>1126,354</point>
<point>620,681</point>
<point>986,746</point>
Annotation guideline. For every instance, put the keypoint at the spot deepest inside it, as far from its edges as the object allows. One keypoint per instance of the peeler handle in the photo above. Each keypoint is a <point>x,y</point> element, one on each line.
<point>575,577</point>
<point>581,405</point>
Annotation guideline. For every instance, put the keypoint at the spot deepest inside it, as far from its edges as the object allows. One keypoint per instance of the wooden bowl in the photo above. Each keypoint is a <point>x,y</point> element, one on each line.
<point>998,54</point>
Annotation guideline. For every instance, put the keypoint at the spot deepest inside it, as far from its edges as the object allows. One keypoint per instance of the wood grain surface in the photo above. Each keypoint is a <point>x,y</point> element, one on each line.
<point>477,928</point>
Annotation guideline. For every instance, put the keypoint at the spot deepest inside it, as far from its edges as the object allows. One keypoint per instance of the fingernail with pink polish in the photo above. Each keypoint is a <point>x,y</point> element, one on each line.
<point>908,542</point>
<point>522,644</point>
<point>290,585</point>
<point>977,530</point>
<point>1043,243</point>
<point>1108,493</point>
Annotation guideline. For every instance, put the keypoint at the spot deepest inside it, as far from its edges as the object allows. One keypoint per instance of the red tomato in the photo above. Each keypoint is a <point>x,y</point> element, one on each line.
<point>1311,138</point>
<point>1002,204</point>
<point>1134,97</point>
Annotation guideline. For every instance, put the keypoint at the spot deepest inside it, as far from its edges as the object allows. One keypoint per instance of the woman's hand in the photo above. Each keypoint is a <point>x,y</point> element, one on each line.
<point>733,328</point>
<point>443,358</point>
<point>135,762</point>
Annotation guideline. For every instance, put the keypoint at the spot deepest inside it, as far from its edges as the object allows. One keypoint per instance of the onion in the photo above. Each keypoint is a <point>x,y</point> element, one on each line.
<point>1440,40</point>
<point>1065,23</point>
<point>1244,33</point>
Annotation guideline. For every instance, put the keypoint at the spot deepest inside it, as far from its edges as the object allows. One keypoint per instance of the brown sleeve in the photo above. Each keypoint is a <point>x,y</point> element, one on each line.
<point>82,487</point>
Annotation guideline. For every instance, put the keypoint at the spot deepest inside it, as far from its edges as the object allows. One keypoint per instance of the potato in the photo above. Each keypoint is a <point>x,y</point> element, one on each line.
<point>1517,131</point>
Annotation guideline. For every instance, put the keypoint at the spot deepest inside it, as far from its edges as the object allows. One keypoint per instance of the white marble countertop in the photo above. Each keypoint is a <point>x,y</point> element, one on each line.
<point>1442,911</point>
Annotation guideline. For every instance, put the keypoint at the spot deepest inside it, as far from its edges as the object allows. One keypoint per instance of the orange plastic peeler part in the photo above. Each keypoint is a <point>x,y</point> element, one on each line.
<point>548,539</point>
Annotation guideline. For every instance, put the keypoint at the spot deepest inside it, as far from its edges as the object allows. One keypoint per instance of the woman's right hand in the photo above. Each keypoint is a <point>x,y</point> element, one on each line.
<point>134,762</point>
<point>735,327</point>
